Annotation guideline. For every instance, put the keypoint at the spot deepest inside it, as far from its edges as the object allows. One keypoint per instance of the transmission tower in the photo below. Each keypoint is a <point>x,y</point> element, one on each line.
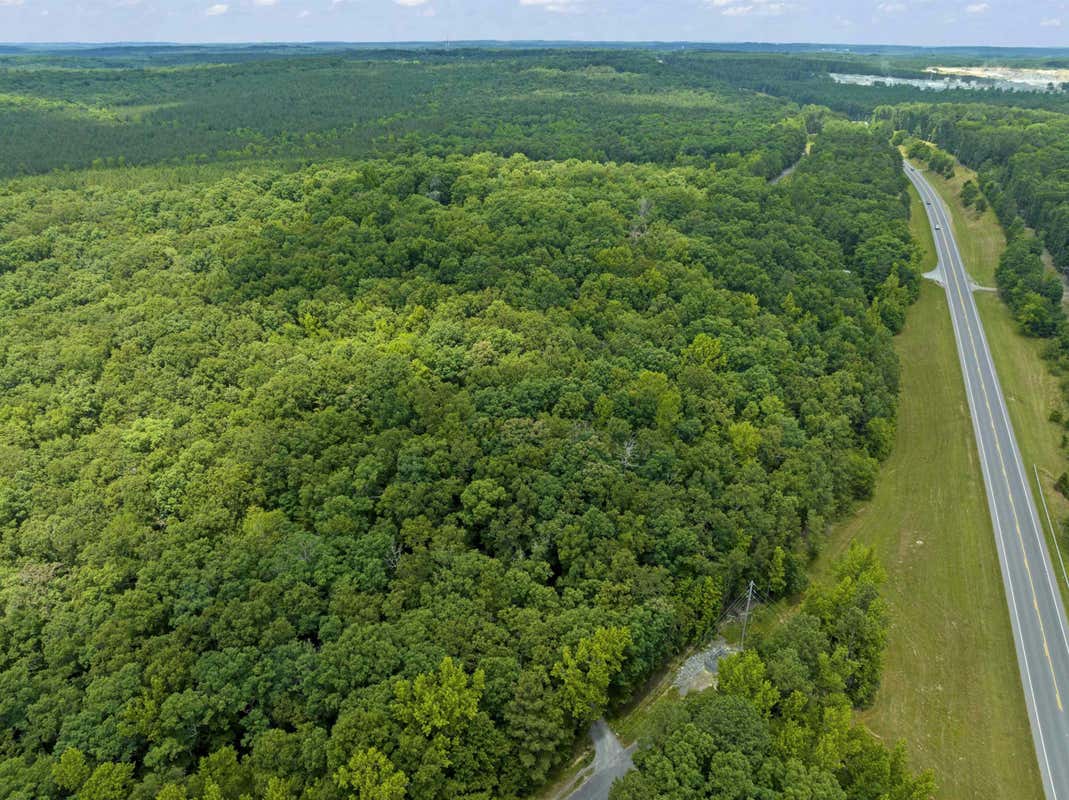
<point>746,613</point>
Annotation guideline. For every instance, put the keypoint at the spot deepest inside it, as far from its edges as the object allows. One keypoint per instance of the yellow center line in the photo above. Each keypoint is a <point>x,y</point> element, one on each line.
<point>1005,475</point>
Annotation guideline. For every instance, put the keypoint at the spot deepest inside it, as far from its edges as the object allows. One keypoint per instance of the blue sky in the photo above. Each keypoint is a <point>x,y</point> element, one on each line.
<point>925,22</point>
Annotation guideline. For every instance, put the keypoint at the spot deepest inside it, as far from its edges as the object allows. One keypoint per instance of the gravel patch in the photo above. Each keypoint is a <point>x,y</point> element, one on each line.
<point>699,671</point>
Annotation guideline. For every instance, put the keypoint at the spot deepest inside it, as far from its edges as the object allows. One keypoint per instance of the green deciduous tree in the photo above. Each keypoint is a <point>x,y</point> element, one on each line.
<point>369,775</point>
<point>585,672</point>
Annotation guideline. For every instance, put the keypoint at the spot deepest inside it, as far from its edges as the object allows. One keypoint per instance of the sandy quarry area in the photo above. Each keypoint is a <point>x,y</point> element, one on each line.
<point>1032,77</point>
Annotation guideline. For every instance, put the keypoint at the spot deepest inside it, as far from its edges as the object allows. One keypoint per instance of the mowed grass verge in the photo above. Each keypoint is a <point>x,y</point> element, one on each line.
<point>951,687</point>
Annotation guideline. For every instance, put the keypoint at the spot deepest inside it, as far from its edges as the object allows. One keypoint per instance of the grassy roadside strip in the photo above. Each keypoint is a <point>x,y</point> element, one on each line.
<point>951,686</point>
<point>1030,389</point>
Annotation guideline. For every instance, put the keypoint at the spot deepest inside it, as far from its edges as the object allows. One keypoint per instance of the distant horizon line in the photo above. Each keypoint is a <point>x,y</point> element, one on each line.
<point>539,42</point>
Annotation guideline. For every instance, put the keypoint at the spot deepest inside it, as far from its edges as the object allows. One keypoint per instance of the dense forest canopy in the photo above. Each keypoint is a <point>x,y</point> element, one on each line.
<point>383,477</point>
<point>592,106</point>
<point>123,105</point>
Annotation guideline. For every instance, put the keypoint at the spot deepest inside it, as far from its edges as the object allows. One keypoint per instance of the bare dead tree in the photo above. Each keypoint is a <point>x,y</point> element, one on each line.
<point>393,557</point>
<point>638,227</point>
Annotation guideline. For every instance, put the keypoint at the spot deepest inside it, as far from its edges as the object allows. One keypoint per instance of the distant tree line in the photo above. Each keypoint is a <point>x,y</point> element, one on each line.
<point>600,106</point>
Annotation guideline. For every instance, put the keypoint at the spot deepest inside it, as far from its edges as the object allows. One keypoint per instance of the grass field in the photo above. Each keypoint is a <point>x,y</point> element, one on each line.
<point>951,687</point>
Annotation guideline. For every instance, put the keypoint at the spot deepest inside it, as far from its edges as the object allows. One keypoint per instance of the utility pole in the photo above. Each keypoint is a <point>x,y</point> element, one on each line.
<point>746,614</point>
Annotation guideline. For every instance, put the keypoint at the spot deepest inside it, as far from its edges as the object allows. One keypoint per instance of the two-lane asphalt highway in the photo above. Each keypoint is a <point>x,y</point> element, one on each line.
<point>1036,611</point>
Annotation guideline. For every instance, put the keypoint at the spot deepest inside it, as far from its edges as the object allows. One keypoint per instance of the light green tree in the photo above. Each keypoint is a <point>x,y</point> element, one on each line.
<point>441,701</point>
<point>585,674</point>
<point>370,775</point>
<point>743,675</point>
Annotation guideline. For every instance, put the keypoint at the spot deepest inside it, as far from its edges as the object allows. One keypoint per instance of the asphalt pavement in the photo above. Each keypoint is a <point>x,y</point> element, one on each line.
<point>1036,610</point>
<point>611,761</point>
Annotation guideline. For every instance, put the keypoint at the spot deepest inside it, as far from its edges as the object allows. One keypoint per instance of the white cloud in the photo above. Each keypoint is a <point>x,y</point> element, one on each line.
<point>217,10</point>
<point>741,8</point>
<point>1054,22</point>
<point>10,3</point>
<point>265,2</point>
<point>556,6</point>
<point>410,2</point>
<point>891,8</point>
<point>977,8</point>
<point>303,14</point>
